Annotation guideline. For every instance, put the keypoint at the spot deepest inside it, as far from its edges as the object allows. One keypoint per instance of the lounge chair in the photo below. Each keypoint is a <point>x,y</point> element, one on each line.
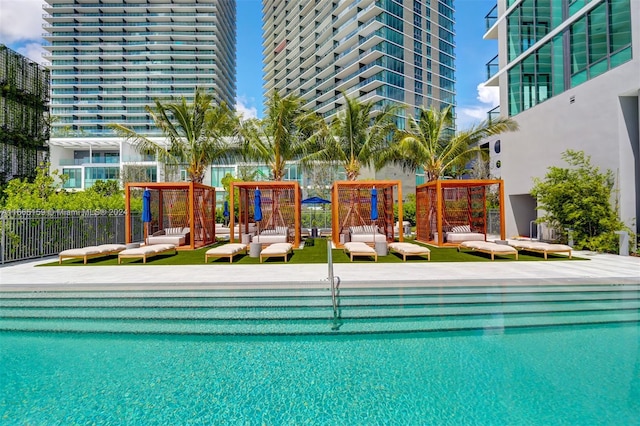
<point>91,252</point>
<point>270,236</point>
<point>357,248</point>
<point>540,247</point>
<point>276,250</point>
<point>460,234</point>
<point>325,232</point>
<point>177,236</point>
<point>489,248</point>
<point>226,250</point>
<point>366,234</point>
<point>409,249</point>
<point>146,252</point>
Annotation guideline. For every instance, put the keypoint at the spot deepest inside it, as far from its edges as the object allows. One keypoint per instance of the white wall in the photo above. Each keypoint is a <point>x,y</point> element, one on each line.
<point>597,117</point>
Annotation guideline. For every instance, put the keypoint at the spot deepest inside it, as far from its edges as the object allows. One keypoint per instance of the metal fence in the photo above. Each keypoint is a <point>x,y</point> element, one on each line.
<point>31,234</point>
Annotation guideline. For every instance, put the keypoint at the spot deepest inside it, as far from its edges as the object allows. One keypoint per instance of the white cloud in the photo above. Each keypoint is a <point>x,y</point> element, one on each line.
<point>469,115</point>
<point>20,20</point>
<point>245,108</point>
<point>488,94</point>
<point>33,51</point>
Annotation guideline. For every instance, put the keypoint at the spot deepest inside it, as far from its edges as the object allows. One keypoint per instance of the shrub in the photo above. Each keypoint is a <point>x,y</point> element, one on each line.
<point>578,197</point>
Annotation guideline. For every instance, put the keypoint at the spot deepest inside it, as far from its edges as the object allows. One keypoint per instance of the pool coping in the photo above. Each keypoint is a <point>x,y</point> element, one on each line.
<point>599,269</point>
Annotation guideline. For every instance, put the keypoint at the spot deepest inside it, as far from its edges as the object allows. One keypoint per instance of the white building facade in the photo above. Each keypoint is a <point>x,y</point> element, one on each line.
<point>109,60</point>
<point>569,73</point>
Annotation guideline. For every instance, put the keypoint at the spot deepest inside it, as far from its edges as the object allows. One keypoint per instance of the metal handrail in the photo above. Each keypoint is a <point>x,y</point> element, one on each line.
<point>332,279</point>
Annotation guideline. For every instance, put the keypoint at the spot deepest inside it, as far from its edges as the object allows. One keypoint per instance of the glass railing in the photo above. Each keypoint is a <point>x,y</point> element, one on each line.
<point>491,17</point>
<point>493,113</point>
<point>492,67</point>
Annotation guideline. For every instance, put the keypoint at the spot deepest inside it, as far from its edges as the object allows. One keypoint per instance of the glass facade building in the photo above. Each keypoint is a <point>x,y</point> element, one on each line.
<point>109,59</point>
<point>384,51</point>
<point>568,71</point>
<point>555,45</point>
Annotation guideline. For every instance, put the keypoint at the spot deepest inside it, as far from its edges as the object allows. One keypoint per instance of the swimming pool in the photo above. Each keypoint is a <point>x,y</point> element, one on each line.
<point>511,371</point>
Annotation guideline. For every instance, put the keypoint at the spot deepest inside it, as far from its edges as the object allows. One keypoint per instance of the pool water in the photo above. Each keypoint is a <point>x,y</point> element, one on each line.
<point>544,375</point>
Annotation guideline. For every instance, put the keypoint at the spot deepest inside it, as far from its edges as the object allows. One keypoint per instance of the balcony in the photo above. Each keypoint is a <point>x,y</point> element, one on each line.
<point>493,114</point>
<point>493,67</point>
<point>490,20</point>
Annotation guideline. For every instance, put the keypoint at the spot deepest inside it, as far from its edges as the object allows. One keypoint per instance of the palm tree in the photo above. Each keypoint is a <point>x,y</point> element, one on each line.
<point>356,136</point>
<point>197,134</point>
<point>286,133</point>
<point>430,143</point>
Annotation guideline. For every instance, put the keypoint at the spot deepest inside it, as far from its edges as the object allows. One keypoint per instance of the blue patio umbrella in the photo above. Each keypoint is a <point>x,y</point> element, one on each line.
<point>374,204</point>
<point>146,210</point>
<point>146,206</point>
<point>257,206</point>
<point>315,201</point>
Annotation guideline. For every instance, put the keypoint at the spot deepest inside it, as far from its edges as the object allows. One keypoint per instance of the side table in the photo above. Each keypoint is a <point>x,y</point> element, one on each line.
<point>381,248</point>
<point>255,249</point>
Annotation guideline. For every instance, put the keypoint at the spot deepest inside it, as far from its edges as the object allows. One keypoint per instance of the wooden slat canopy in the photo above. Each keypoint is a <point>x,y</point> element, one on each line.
<point>176,204</point>
<point>444,204</point>
<point>351,206</point>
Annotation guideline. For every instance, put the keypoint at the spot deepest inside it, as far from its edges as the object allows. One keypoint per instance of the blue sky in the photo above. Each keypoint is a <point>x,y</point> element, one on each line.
<point>21,28</point>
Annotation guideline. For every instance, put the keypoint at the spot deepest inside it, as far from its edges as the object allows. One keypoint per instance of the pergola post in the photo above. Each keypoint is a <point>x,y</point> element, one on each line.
<point>127,206</point>
<point>439,194</point>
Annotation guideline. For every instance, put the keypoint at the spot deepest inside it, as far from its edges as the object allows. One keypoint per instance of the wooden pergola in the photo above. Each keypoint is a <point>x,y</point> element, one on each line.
<point>280,207</point>
<point>176,204</point>
<point>444,204</point>
<point>351,206</point>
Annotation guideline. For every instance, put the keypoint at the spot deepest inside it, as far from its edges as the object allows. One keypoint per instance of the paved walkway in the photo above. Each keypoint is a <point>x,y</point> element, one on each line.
<point>600,268</point>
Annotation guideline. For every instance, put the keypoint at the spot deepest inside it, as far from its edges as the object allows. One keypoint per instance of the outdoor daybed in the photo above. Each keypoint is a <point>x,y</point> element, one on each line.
<point>226,250</point>
<point>91,252</point>
<point>540,247</point>
<point>276,250</point>
<point>366,234</point>
<point>177,236</point>
<point>270,236</point>
<point>146,252</point>
<point>489,248</point>
<point>463,233</point>
<point>360,249</point>
<point>223,231</point>
<point>409,249</point>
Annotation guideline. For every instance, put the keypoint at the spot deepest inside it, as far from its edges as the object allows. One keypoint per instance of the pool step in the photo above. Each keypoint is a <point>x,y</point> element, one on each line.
<point>309,311</point>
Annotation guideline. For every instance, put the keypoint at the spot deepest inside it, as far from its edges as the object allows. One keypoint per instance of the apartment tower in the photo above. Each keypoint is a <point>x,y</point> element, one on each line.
<point>385,51</point>
<point>568,72</point>
<point>110,59</point>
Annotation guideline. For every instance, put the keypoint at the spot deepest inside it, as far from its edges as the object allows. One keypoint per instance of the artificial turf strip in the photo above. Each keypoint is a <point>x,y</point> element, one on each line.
<point>315,252</point>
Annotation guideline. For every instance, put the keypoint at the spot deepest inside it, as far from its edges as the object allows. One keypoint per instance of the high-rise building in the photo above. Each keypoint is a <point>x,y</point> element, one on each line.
<point>381,51</point>
<point>110,59</point>
<point>24,107</point>
<point>398,51</point>
<point>569,73</point>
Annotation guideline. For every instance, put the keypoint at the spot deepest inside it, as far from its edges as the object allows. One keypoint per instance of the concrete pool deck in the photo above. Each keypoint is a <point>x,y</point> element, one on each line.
<point>599,269</point>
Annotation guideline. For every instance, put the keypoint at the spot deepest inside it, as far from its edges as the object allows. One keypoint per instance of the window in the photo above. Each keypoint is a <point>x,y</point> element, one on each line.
<point>218,173</point>
<point>74,178</point>
<point>598,33</point>
<point>600,40</point>
<point>620,23</point>
<point>529,23</point>
<point>93,174</point>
